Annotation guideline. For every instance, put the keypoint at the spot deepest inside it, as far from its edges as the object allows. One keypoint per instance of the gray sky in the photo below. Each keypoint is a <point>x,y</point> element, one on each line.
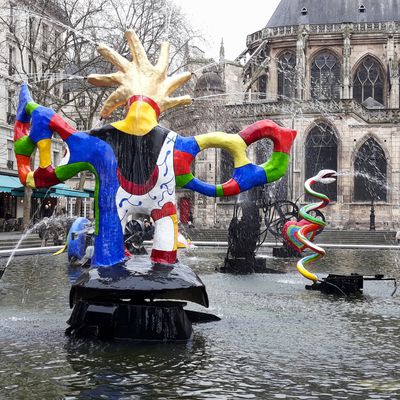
<point>228,19</point>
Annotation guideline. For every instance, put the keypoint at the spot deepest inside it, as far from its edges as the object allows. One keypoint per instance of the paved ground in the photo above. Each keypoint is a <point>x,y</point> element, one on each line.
<point>12,235</point>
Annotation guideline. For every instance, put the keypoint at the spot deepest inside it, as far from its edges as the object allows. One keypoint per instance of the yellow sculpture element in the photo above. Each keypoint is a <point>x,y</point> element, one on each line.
<point>61,250</point>
<point>139,77</point>
<point>175,222</point>
<point>44,147</point>
<point>140,120</point>
<point>30,180</point>
<point>234,144</point>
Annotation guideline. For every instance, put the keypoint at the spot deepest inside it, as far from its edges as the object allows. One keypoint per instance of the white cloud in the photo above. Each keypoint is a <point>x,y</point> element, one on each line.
<point>232,21</point>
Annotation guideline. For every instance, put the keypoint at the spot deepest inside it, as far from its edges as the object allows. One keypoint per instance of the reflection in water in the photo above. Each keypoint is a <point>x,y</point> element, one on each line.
<point>122,369</point>
<point>275,340</point>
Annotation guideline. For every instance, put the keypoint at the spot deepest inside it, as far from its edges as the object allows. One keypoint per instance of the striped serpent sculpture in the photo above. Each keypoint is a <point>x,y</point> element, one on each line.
<point>299,235</point>
<point>136,162</point>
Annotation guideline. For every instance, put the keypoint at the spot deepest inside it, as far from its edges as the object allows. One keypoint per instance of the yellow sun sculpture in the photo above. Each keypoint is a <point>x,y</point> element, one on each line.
<point>139,77</point>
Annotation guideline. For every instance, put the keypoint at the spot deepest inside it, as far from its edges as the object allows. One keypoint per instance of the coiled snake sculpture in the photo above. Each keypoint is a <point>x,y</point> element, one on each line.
<point>300,234</point>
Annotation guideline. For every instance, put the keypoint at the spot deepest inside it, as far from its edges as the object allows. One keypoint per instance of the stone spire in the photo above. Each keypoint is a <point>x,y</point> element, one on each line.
<point>222,52</point>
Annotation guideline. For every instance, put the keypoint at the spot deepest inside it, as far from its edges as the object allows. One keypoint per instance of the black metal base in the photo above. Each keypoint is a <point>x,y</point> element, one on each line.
<point>123,302</point>
<point>150,321</point>
<point>247,266</point>
<point>343,285</point>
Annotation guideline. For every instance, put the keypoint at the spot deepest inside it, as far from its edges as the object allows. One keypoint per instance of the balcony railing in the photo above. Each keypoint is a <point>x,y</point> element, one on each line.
<point>264,109</point>
<point>357,27</point>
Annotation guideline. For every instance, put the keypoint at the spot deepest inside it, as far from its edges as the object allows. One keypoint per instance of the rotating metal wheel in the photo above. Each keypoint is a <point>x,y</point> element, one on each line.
<point>278,214</point>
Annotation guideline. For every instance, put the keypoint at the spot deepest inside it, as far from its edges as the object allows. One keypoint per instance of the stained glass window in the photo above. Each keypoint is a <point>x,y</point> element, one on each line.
<point>325,77</point>
<point>370,170</point>
<point>321,153</point>
<point>368,81</point>
<point>287,76</point>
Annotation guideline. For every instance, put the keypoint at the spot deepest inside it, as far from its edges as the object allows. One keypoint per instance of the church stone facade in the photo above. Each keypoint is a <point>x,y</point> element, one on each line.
<point>330,70</point>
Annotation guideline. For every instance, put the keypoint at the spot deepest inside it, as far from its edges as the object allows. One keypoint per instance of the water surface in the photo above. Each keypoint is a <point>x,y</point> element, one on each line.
<point>275,340</point>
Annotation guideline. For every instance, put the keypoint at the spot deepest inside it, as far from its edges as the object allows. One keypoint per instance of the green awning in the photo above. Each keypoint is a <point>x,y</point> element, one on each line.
<point>60,190</point>
<point>90,192</point>
<point>8,183</point>
<point>12,184</point>
<point>63,190</point>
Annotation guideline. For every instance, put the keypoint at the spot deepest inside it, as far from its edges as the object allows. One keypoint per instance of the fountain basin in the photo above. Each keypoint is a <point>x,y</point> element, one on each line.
<point>265,317</point>
<point>123,302</point>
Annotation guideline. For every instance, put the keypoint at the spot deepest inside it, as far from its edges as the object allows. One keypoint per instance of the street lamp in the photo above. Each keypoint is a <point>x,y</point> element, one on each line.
<point>372,216</point>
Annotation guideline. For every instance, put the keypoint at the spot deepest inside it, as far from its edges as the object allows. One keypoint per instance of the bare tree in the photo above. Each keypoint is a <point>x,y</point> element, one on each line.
<point>38,40</point>
<point>52,45</point>
<point>152,20</point>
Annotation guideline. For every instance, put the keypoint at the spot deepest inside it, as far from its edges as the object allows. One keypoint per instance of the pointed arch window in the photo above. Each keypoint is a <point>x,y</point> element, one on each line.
<point>398,72</point>
<point>321,152</point>
<point>325,77</point>
<point>287,76</point>
<point>368,81</point>
<point>226,167</point>
<point>263,151</point>
<point>370,173</point>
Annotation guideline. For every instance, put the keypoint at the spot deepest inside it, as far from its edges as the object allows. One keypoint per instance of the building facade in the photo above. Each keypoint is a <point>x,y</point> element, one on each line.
<point>214,85</point>
<point>330,70</point>
<point>26,43</point>
<point>31,50</point>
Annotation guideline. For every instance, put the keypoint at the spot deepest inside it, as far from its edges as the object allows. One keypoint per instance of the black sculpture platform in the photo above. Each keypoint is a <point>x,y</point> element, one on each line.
<point>339,284</point>
<point>345,285</point>
<point>128,301</point>
<point>243,265</point>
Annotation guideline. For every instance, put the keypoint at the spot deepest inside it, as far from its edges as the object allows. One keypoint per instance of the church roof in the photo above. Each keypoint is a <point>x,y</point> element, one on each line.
<point>209,82</point>
<point>295,12</point>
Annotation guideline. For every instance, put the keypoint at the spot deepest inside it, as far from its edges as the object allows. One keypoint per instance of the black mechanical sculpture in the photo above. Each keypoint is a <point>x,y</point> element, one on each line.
<point>134,237</point>
<point>346,285</point>
<point>246,234</point>
<point>105,307</point>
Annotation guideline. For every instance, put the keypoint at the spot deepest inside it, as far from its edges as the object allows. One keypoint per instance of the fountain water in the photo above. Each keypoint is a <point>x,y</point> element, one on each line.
<point>21,239</point>
<point>26,14</point>
<point>236,346</point>
<point>43,224</point>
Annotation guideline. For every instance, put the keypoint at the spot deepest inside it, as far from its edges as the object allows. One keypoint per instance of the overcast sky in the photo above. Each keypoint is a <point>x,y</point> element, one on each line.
<point>227,19</point>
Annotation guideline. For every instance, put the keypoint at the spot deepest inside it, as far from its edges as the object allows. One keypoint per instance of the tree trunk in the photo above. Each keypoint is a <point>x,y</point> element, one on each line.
<point>27,208</point>
<point>81,185</point>
<point>26,218</point>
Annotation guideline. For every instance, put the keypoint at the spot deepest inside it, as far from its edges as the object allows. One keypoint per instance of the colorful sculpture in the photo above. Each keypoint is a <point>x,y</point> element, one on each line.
<point>136,162</point>
<point>299,235</point>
